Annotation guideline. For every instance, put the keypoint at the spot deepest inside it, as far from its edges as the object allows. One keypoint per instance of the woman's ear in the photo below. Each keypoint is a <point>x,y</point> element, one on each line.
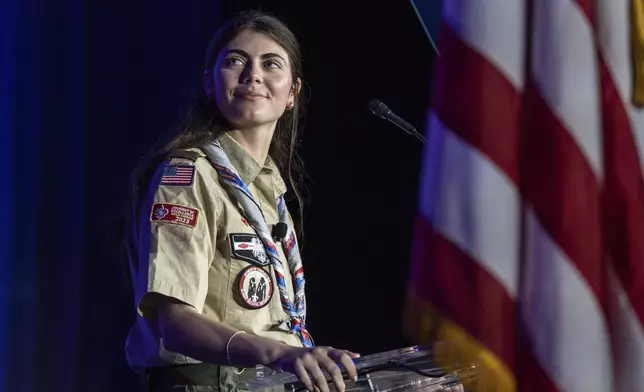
<point>295,90</point>
<point>297,86</point>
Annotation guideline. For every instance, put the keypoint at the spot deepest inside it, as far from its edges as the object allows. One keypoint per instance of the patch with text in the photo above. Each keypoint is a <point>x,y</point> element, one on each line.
<point>174,213</point>
<point>254,287</point>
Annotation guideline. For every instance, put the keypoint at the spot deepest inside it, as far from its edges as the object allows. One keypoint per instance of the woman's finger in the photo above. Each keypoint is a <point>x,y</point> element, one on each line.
<point>334,371</point>
<point>303,375</point>
<point>345,358</point>
<point>352,354</point>
<point>313,368</point>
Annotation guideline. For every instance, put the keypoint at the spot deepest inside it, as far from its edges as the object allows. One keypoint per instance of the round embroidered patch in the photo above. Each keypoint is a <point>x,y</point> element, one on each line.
<point>255,287</point>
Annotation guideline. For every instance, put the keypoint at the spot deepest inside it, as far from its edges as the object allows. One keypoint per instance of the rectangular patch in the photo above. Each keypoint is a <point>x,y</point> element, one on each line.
<point>178,175</point>
<point>174,213</point>
<point>248,247</point>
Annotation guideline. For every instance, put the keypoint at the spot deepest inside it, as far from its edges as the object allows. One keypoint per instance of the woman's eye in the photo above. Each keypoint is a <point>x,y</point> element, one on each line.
<point>232,61</point>
<point>272,64</point>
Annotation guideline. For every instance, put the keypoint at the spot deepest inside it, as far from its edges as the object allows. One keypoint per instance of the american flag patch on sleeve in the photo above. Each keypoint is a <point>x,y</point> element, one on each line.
<point>177,175</point>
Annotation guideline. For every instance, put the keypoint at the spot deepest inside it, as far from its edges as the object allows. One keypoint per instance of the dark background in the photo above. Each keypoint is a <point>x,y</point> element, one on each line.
<point>89,86</point>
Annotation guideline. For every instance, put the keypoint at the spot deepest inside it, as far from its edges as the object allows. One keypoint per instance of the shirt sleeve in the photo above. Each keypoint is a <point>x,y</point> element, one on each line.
<point>177,234</point>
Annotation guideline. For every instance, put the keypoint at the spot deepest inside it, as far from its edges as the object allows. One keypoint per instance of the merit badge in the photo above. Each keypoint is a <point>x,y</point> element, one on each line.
<point>177,175</point>
<point>173,213</point>
<point>250,248</point>
<point>255,287</point>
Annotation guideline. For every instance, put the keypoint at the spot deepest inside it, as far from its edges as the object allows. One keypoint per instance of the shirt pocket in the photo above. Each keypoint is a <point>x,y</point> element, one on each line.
<point>247,262</point>
<point>251,294</point>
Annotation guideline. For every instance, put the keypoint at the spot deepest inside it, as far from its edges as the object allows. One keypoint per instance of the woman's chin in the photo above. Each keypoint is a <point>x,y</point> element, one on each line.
<point>251,119</point>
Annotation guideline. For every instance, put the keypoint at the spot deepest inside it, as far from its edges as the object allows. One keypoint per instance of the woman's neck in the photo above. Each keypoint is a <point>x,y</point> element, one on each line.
<point>256,140</point>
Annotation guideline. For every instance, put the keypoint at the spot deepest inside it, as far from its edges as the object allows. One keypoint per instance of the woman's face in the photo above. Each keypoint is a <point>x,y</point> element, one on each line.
<point>252,81</point>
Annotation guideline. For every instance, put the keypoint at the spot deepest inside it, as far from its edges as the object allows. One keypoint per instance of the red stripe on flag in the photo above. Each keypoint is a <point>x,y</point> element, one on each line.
<point>462,290</point>
<point>477,102</point>
<point>561,186</point>
<point>588,8</point>
<point>623,195</point>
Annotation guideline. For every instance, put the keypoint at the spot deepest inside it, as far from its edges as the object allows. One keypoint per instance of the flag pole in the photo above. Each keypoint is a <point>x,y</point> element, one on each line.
<point>422,23</point>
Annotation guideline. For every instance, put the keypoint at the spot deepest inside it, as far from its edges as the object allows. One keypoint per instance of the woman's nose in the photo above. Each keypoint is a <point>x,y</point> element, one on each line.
<point>252,74</point>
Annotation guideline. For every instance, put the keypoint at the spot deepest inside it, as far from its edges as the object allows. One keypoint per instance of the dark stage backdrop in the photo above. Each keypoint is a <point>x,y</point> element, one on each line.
<point>87,87</point>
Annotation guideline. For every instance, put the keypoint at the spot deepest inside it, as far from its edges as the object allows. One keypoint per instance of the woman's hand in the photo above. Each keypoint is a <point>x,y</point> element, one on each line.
<point>308,363</point>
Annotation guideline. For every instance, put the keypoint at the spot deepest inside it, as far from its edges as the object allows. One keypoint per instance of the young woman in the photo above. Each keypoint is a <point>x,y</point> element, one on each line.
<point>213,255</point>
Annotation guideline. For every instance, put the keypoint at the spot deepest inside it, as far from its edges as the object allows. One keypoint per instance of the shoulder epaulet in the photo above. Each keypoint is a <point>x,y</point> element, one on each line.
<point>192,154</point>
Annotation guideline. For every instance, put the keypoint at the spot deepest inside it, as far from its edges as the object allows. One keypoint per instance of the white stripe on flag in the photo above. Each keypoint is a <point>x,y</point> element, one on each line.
<point>564,67</point>
<point>564,320</point>
<point>613,21</point>
<point>472,203</point>
<point>502,44</point>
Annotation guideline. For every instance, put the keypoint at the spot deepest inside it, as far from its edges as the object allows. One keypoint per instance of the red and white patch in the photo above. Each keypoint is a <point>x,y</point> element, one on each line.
<point>244,221</point>
<point>248,247</point>
<point>255,287</point>
<point>174,213</point>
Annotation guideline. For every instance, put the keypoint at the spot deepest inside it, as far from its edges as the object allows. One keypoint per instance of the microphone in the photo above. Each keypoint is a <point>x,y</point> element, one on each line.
<point>279,231</point>
<point>381,110</point>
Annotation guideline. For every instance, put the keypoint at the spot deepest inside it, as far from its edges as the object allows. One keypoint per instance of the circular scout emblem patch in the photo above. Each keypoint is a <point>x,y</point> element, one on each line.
<point>255,287</point>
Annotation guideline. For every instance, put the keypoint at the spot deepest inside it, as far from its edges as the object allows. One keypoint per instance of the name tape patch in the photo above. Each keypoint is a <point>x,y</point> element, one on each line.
<point>174,213</point>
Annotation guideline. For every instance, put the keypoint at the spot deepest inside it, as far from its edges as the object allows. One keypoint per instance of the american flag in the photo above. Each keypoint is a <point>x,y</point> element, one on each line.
<point>177,175</point>
<point>528,253</point>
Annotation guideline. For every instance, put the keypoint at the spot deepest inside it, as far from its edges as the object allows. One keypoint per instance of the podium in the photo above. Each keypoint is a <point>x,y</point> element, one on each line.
<point>407,369</point>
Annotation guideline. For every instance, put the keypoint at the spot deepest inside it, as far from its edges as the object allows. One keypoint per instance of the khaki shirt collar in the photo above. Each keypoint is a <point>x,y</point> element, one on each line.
<point>247,166</point>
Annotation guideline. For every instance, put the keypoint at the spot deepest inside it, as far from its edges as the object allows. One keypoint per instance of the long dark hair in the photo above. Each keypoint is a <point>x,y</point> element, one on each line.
<point>203,122</point>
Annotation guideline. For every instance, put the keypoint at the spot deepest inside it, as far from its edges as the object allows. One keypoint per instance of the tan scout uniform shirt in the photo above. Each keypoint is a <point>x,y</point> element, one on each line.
<point>187,255</point>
